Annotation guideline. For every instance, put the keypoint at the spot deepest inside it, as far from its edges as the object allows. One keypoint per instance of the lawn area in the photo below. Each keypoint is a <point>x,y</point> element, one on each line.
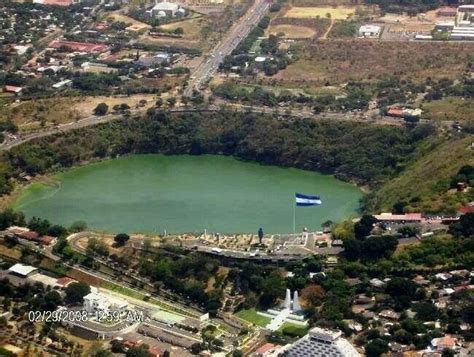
<point>336,13</point>
<point>449,109</point>
<point>293,329</point>
<point>123,290</point>
<point>252,316</point>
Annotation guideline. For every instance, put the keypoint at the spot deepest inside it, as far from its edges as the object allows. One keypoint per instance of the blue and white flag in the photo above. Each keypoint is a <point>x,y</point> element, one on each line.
<point>305,200</point>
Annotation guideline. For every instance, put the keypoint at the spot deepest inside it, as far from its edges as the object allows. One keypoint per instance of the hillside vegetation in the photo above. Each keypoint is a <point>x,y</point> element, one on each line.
<point>357,152</point>
<point>424,185</point>
<point>412,165</point>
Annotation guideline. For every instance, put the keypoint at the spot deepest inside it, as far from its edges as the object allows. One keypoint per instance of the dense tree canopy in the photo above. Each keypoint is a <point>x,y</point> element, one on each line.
<point>360,152</point>
<point>75,292</point>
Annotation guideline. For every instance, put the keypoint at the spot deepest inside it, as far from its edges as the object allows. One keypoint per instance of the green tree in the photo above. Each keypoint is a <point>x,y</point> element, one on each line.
<point>447,352</point>
<point>121,239</point>
<point>101,109</point>
<point>96,246</point>
<point>78,226</point>
<point>260,235</point>
<point>402,290</point>
<point>376,348</point>
<point>179,31</point>
<point>426,311</point>
<point>41,226</point>
<point>140,351</point>
<point>465,226</point>
<point>363,228</point>
<point>75,292</point>
<point>171,102</point>
<point>57,231</point>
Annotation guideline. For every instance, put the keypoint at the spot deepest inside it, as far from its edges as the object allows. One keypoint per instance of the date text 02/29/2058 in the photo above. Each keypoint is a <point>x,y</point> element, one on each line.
<point>82,316</point>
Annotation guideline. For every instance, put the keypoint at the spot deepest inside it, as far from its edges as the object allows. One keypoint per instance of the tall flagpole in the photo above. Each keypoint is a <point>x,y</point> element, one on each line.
<point>294,217</point>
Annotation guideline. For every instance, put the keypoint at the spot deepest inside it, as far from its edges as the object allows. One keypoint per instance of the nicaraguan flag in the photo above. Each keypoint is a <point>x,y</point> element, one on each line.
<point>305,200</point>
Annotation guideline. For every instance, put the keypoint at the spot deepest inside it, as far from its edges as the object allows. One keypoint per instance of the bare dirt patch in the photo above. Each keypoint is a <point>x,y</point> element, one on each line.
<point>293,32</point>
<point>294,26</point>
<point>192,28</point>
<point>35,114</point>
<point>336,13</point>
<point>133,25</point>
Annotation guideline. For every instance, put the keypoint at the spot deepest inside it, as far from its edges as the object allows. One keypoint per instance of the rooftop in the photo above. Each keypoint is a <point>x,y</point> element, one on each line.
<point>21,269</point>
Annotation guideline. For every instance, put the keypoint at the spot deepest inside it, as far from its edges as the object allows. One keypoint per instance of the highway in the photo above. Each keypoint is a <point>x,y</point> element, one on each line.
<point>234,36</point>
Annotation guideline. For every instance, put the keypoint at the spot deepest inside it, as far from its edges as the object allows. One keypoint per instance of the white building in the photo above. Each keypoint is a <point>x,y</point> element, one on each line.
<point>369,31</point>
<point>322,343</point>
<point>96,302</point>
<point>164,9</point>
<point>22,270</point>
<point>464,29</point>
<point>62,84</point>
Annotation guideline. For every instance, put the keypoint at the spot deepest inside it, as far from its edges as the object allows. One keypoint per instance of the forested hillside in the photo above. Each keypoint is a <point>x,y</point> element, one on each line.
<point>414,166</point>
<point>366,154</point>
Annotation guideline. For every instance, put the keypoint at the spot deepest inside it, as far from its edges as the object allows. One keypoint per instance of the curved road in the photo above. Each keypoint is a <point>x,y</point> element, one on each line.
<point>95,120</point>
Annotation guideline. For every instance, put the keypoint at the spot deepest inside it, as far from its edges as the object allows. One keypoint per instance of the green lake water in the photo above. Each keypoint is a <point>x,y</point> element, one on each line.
<point>151,193</point>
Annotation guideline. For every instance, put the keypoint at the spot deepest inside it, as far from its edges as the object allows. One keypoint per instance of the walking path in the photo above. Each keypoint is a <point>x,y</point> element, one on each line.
<point>278,320</point>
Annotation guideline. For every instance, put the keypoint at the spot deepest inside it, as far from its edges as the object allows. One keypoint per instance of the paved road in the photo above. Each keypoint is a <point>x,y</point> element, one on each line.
<point>234,36</point>
<point>89,121</point>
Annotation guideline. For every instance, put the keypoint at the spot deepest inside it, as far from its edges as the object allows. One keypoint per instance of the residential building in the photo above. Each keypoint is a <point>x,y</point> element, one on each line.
<point>464,29</point>
<point>268,350</point>
<point>447,11</point>
<point>13,89</point>
<point>62,84</point>
<point>399,218</point>
<point>370,31</point>
<point>22,270</point>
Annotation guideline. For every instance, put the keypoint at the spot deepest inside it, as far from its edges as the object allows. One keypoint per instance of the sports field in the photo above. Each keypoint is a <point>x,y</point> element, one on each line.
<point>335,13</point>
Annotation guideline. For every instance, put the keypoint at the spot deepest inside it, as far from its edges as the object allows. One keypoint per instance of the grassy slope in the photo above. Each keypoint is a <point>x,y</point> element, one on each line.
<point>450,108</point>
<point>252,316</point>
<point>427,177</point>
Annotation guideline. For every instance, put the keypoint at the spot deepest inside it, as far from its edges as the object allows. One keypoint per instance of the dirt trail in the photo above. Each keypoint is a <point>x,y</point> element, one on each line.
<point>324,37</point>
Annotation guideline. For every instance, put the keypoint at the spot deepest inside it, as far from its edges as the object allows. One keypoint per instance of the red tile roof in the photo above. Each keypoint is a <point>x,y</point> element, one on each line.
<point>395,112</point>
<point>64,281</point>
<point>57,2</point>
<point>447,11</point>
<point>154,352</point>
<point>469,208</point>
<point>12,89</point>
<point>17,230</point>
<point>46,240</point>
<point>265,348</point>
<point>30,235</point>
